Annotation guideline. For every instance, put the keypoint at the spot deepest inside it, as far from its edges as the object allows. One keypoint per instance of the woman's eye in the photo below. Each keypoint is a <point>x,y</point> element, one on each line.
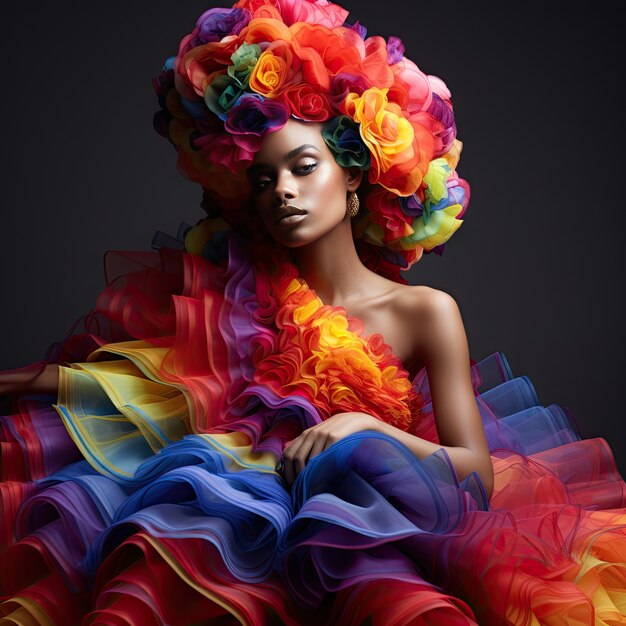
<point>261,184</point>
<point>306,169</point>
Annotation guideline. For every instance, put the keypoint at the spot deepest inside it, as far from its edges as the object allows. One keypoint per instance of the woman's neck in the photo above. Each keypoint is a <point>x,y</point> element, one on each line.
<point>332,268</point>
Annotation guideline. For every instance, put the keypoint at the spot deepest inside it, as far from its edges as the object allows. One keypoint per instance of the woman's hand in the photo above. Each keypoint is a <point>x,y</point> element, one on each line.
<point>316,439</point>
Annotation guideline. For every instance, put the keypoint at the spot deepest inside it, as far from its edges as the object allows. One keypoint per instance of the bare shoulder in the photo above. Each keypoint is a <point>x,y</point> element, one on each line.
<point>425,303</point>
<point>431,317</point>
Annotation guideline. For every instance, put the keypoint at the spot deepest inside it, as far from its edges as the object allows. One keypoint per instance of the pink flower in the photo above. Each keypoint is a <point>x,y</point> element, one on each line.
<point>411,87</point>
<point>319,12</point>
<point>220,149</point>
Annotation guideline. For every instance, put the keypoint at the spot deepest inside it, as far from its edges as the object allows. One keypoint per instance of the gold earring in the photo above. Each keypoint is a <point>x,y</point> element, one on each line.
<point>353,204</point>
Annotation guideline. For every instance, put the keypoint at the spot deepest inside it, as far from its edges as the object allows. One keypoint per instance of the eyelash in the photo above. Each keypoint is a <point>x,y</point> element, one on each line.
<point>304,170</point>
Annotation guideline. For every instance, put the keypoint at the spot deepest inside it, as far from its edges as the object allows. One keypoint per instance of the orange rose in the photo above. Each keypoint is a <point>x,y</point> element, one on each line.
<point>265,29</point>
<point>275,70</point>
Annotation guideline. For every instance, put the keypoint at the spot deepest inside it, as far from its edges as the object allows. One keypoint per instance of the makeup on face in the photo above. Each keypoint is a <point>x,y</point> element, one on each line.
<point>298,187</point>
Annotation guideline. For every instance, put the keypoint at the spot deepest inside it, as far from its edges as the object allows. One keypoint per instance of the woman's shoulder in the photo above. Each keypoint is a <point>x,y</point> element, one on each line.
<point>413,319</point>
<point>423,301</point>
<point>429,317</point>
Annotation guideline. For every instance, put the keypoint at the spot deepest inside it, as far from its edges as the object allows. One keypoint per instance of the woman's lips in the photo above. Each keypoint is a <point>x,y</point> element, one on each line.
<point>289,214</point>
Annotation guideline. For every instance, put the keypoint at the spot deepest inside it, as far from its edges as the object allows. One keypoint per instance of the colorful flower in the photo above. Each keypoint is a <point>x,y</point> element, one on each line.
<point>411,88</point>
<point>252,66</point>
<point>313,11</point>
<point>252,117</point>
<point>222,94</point>
<point>383,128</point>
<point>324,53</point>
<point>255,6</point>
<point>263,30</point>
<point>412,205</point>
<point>220,149</point>
<point>395,50</point>
<point>306,103</point>
<point>386,211</point>
<point>445,200</point>
<point>215,24</point>
<point>195,69</point>
<point>275,70</point>
<point>343,84</point>
<point>398,161</point>
<point>375,66</point>
<point>244,59</point>
<point>441,226</point>
<point>342,136</point>
<point>446,133</point>
<point>358,28</point>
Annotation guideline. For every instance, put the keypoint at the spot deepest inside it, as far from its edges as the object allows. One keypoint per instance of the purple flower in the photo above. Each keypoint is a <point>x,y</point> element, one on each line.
<point>395,50</point>
<point>357,28</point>
<point>443,114</point>
<point>252,117</point>
<point>163,82</point>
<point>342,85</point>
<point>438,250</point>
<point>215,24</point>
<point>412,205</point>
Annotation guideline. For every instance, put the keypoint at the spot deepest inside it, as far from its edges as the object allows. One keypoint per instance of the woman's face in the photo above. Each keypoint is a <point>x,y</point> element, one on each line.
<point>298,188</point>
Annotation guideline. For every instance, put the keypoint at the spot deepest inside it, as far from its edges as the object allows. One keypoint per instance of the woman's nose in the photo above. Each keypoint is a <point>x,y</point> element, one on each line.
<point>285,189</point>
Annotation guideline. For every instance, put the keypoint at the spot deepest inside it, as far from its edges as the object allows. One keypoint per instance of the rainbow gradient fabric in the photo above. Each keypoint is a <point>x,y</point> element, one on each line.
<point>146,493</point>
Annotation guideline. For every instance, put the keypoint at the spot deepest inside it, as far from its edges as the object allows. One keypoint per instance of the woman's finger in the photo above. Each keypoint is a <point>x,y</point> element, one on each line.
<point>302,455</point>
<point>291,456</point>
<point>321,443</point>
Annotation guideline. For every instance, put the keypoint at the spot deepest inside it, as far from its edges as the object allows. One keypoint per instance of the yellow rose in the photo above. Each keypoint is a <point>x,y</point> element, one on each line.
<point>385,131</point>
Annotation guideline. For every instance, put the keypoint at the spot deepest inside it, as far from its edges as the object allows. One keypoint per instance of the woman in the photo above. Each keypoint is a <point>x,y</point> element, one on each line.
<point>376,525</point>
<point>301,200</point>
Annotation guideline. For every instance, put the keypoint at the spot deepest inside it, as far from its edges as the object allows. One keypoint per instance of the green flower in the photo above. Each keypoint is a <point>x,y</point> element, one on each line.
<point>244,59</point>
<point>343,138</point>
<point>222,94</point>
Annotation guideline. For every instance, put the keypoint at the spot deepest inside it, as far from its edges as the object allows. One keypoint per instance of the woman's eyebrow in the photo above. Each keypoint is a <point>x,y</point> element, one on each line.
<point>299,149</point>
<point>289,155</point>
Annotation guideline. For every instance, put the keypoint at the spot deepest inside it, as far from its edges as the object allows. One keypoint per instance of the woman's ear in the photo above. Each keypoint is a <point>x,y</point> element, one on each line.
<point>354,177</point>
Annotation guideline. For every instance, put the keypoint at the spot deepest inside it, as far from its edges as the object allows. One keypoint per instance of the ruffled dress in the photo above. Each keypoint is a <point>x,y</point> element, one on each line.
<point>146,492</point>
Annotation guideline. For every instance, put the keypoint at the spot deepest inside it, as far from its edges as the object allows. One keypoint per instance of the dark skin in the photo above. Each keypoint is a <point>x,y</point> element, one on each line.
<point>423,326</point>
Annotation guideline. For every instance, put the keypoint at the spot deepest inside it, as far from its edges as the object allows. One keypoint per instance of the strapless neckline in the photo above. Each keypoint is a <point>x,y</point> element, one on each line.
<point>357,326</point>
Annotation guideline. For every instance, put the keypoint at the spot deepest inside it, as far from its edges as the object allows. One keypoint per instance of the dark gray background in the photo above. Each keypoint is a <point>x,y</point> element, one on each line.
<point>535,268</point>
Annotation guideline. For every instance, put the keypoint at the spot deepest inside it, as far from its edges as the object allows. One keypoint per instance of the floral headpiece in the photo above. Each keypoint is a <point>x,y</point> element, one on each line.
<point>243,71</point>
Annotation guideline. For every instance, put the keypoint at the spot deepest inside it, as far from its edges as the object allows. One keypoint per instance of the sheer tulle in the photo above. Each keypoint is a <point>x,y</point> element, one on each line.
<point>146,493</point>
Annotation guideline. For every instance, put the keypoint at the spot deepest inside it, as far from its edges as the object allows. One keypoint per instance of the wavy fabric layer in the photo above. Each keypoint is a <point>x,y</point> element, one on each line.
<point>146,492</point>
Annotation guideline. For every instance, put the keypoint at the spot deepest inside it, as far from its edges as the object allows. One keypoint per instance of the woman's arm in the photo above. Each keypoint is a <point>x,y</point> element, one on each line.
<point>38,378</point>
<point>441,345</point>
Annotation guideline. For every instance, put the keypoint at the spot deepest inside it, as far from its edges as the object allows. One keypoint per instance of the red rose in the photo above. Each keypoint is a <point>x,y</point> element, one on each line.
<point>307,103</point>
